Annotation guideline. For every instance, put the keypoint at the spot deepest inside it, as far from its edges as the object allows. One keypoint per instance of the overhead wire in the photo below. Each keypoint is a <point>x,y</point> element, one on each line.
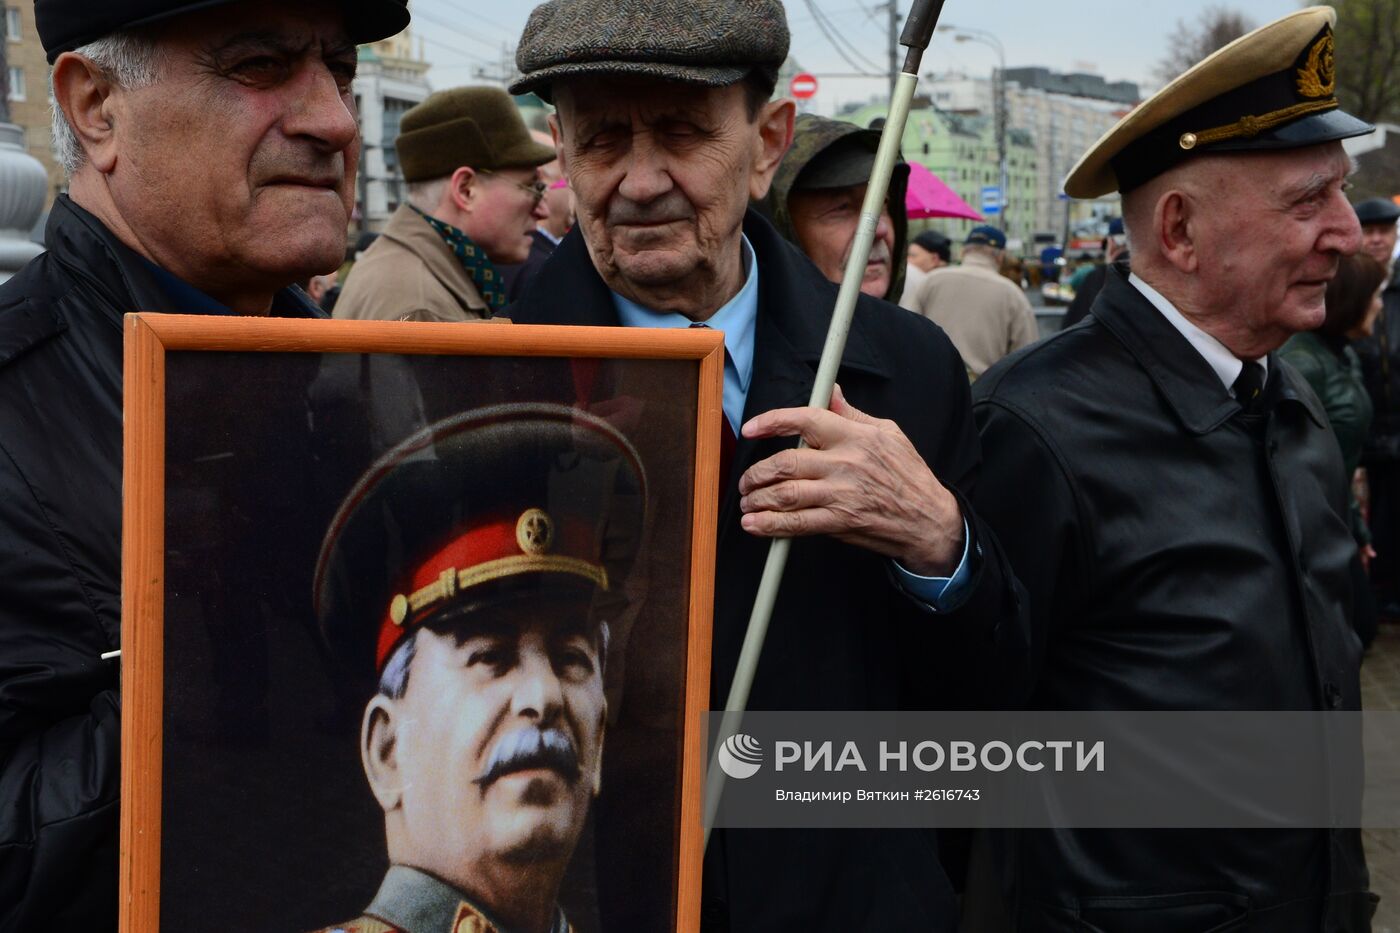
<point>844,47</point>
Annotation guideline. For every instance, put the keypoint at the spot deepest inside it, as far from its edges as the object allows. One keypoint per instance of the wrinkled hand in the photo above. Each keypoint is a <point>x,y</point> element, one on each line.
<point>858,480</point>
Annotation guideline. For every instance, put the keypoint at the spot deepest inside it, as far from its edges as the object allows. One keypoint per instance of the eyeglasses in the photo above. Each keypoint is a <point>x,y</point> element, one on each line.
<point>535,189</point>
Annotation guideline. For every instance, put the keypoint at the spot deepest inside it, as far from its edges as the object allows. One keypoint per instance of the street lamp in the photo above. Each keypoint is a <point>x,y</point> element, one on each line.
<point>986,38</point>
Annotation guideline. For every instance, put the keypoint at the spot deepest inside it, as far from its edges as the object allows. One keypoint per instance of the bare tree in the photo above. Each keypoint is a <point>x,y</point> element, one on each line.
<point>1368,59</point>
<point>1216,27</point>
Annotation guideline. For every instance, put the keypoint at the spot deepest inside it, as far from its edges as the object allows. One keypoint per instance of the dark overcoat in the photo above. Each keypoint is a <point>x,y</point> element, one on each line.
<point>843,636</point>
<point>60,561</point>
<point>1180,554</point>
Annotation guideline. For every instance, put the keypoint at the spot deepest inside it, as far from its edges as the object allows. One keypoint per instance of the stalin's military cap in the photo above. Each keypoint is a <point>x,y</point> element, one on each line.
<point>1377,211</point>
<point>474,126</point>
<point>1274,88</point>
<point>710,42</point>
<point>65,25</point>
<point>495,505</point>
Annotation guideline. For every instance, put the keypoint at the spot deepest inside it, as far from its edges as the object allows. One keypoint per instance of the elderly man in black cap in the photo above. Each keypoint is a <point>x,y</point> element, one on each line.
<point>489,633</point>
<point>896,594</point>
<point>474,196</point>
<point>928,250</point>
<point>1171,494</point>
<point>1380,365</point>
<point>211,149</point>
<point>985,314</point>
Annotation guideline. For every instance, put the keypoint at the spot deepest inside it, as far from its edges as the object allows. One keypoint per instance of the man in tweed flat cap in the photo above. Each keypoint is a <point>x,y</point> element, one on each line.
<point>895,594</point>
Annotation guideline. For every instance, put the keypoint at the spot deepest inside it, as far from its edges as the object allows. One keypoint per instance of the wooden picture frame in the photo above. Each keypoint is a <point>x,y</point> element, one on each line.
<point>241,813</point>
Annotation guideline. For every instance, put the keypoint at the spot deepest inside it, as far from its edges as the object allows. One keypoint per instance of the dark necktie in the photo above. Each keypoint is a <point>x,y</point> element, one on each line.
<point>727,441</point>
<point>1249,385</point>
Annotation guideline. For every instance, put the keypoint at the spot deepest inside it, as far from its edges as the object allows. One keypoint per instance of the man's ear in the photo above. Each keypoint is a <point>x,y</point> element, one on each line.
<point>557,132</point>
<point>774,137</point>
<point>87,99</point>
<point>1172,226</point>
<point>379,752</point>
<point>460,187</point>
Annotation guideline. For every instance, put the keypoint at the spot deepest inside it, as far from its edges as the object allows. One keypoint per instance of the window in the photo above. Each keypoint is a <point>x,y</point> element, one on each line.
<point>12,23</point>
<point>16,83</point>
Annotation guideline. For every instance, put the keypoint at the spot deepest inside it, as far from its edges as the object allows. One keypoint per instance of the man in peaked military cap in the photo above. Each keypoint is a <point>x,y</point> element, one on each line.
<point>474,564</point>
<point>474,196</point>
<point>895,593</point>
<point>1171,494</point>
<point>211,150</point>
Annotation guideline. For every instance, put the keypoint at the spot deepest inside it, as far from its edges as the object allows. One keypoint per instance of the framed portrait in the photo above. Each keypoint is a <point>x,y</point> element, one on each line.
<point>416,625</point>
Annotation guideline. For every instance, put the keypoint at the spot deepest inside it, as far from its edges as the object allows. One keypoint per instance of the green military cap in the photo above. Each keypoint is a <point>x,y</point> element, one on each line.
<point>710,42</point>
<point>845,154</point>
<point>478,127</point>
<point>491,506</point>
<point>1272,89</point>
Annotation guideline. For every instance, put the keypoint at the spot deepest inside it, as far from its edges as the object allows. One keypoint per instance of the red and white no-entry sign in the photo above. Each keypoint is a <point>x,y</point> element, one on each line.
<point>803,86</point>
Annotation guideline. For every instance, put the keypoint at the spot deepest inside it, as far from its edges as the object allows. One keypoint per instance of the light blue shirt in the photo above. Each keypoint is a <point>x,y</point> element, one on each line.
<point>738,319</point>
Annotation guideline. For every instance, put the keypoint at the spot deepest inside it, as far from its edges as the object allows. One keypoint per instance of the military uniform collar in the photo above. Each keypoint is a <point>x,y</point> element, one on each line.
<point>1189,384</point>
<point>416,902</point>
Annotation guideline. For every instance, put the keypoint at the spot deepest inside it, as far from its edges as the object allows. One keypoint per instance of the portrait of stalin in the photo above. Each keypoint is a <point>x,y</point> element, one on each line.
<point>479,560</point>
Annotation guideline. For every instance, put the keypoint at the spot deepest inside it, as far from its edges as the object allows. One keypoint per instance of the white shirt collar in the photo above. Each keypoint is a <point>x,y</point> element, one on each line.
<point>1227,366</point>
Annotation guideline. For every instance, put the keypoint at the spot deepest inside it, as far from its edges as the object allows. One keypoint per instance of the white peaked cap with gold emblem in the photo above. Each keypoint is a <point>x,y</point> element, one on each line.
<point>491,506</point>
<point>1274,88</point>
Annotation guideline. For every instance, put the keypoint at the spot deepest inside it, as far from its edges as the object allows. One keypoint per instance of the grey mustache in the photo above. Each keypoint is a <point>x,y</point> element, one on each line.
<point>670,206</point>
<point>529,748</point>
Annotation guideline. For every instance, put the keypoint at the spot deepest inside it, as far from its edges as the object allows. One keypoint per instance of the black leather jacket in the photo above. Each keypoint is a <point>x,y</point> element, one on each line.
<point>1179,555</point>
<point>60,540</point>
<point>1380,367</point>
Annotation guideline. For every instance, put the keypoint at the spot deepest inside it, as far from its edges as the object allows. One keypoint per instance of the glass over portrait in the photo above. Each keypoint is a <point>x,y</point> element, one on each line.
<point>428,642</point>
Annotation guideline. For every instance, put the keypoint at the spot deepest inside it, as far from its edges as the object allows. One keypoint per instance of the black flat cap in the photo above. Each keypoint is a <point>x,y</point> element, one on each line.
<point>65,25</point>
<point>935,242</point>
<point>709,42</point>
<point>1377,211</point>
<point>499,504</point>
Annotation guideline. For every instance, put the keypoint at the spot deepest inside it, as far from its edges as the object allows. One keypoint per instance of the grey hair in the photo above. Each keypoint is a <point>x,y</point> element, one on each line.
<point>128,59</point>
<point>394,681</point>
<point>427,195</point>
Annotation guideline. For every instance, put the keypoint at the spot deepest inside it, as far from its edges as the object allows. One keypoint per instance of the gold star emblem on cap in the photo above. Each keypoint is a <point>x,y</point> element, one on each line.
<point>534,531</point>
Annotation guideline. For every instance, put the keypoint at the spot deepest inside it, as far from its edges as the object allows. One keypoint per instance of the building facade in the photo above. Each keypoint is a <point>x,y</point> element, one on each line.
<point>27,91</point>
<point>1064,114</point>
<point>392,78</point>
<point>962,151</point>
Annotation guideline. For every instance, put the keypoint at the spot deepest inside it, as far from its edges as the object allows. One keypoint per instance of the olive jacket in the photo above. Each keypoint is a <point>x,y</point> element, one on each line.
<point>1334,372</point>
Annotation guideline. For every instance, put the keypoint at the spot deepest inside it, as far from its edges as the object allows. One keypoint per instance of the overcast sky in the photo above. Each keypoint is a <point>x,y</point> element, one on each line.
<point>1122,41</point>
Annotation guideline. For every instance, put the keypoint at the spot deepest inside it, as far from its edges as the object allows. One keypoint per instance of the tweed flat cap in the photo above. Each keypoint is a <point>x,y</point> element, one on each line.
<point>710,42</point>
<point>478,127</point>
<point>65,25</point>
<point>1272,89</point>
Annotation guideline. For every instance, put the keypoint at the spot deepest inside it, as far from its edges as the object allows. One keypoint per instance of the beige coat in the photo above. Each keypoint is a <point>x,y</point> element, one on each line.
<point>409,274</point>
<point>984,314</point>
